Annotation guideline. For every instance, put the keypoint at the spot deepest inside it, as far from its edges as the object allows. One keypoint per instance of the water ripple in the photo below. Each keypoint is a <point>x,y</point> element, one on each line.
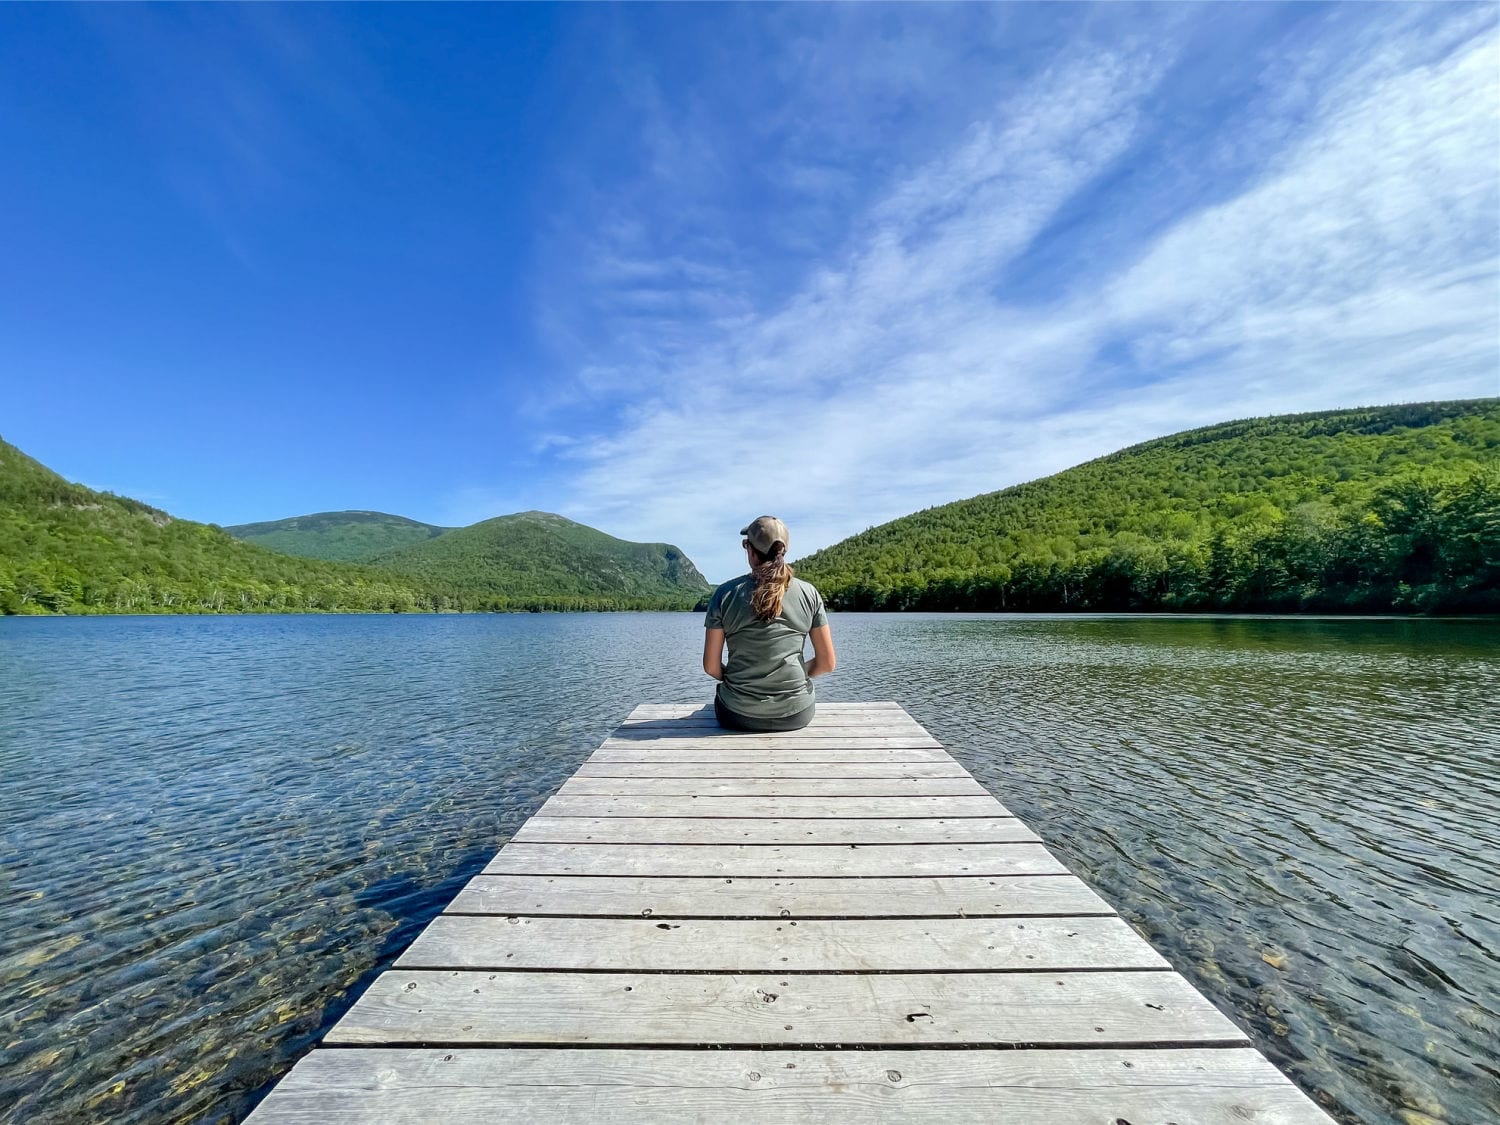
<point>216,831</point>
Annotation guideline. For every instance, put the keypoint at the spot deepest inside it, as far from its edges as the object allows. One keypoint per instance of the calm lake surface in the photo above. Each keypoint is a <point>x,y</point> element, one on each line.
<point>215,831</point>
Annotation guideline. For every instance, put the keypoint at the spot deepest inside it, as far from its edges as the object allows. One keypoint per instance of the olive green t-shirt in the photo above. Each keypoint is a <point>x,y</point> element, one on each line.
<point>766,676</point>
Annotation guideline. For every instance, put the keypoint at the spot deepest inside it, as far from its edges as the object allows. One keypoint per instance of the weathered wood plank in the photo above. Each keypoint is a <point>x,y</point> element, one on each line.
<point>749,830</point>
<point>846,721</point>
<point>792,740</point>
<point>408,1007</point>
<point>1047,1087</point>
<point>740,897</point>
<point>870,723</point>
<point>772,767</point>
<point>720,945</point>
<point>705,712</point>
<point>825,704</point>
<point>704,732</point>
<point>469,1086</point>
<point>773,806</point>
<point>749,755</point>
<point>824,707</point>
<point>843,720</point>
<point>756,860</point>
<point>770,787</point>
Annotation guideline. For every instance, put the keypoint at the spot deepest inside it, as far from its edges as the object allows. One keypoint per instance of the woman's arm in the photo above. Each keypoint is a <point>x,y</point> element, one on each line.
<point>824,659</point>
<point>713,652</point>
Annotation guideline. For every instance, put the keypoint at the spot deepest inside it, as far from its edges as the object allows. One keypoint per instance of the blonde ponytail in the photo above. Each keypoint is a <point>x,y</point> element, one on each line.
<point>773,577</point>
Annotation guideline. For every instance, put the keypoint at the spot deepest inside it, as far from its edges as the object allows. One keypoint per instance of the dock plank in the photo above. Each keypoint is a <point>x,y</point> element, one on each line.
<point>673,728</point>
<point>463,1007</point>
<point>978,805</point>
<point>725,754</point>
<point>751,860</point>
<point>771,945</point>
<point>887,720</point>
<point>749,830</point>
<point>771,787</point>
<point>797,740</point>
<point>824,708</point>
<point>771,767</point>
<point>778,897</point>
<point>468,1086</point>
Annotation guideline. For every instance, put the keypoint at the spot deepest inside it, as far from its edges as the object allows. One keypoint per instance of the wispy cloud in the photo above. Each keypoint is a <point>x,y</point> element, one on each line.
<point>1358,264</point>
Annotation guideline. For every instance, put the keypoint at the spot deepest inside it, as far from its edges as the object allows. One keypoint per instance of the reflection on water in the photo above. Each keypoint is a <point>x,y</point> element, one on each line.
<point>214,830</point>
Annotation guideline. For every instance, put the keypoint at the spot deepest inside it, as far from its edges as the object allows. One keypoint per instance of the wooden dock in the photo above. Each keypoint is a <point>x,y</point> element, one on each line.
<point>837,924</point>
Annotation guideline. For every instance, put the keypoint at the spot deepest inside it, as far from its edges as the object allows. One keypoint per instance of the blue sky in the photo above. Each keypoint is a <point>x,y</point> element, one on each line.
<point>665,268</point>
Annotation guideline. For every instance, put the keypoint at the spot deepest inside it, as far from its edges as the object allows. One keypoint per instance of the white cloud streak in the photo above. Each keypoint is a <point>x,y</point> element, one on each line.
<point>1361,266</point>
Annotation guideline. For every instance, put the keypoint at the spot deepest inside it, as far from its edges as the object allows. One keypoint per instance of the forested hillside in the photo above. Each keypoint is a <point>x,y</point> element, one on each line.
<point>65,548</point>
<point>1370,510</point>
<point>339,536</point>
<point>541,555</point>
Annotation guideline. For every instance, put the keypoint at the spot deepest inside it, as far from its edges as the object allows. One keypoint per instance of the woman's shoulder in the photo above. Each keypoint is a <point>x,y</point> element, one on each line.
<point>730,588</point>
<point>806,589</point>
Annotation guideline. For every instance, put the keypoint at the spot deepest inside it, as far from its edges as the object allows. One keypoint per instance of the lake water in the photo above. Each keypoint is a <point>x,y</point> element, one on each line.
<point>215,831</point>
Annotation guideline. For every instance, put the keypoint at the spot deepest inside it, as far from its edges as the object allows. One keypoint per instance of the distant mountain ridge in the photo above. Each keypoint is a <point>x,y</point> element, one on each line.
<point>353,536</point>
<point>536,551</point>
<point>1378,509</point>
<point>528,554</point>
<point>65,548</point>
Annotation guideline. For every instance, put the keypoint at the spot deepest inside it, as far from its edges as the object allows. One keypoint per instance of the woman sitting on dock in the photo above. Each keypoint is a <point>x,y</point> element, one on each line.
<point>766,618</point>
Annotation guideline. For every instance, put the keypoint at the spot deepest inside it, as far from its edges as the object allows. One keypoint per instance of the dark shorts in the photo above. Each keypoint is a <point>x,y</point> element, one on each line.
<point>731,720</point>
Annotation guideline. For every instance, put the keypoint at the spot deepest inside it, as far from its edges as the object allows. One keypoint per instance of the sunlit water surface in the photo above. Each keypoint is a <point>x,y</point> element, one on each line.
<point>215,831</point>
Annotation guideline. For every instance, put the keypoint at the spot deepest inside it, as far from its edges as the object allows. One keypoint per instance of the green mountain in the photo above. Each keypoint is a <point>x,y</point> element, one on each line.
<point>537,554</point>
<point>65,548</point>
<point>339,536</point>
<point>1374,510</point>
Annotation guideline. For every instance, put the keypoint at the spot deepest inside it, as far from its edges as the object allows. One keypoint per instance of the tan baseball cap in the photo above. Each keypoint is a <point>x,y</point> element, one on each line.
<point>765,532</point>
